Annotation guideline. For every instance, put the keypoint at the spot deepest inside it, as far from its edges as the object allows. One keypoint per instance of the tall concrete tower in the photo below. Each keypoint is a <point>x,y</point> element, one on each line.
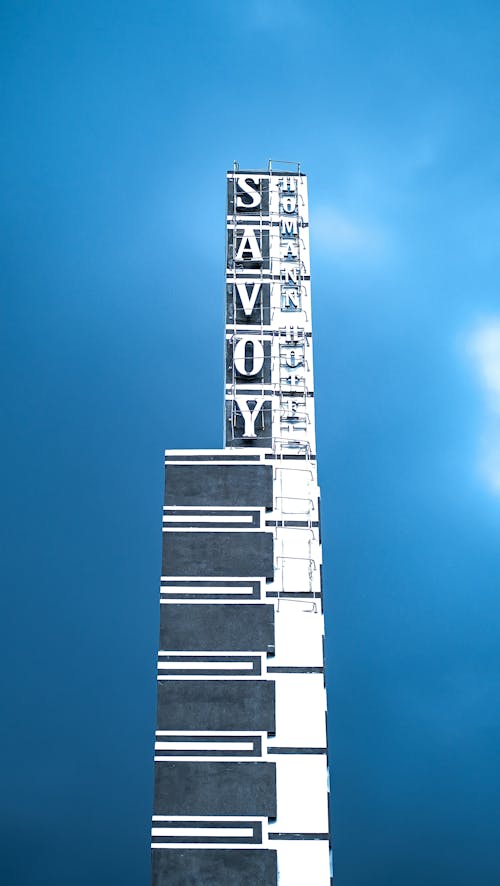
<point>241,773</point>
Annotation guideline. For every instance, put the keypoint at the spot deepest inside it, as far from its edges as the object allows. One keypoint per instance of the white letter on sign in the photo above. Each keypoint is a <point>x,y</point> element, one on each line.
<point>288,227</point>
<point>247,300</point>
<point>256,357</point>
<point>288,204</point>
<point>246,187</point>
<point>287,184</point>
<point>248,244</point>
<point>249,415</point>
<point>290,275</point>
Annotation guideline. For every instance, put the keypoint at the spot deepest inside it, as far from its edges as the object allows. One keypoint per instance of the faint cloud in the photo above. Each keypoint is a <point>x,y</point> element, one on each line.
<point>483,347</point>
<point>491,458</point>
<point>479,230</point>
<point>349,239</point>
<point>423,155</point>
<point>267,15</point>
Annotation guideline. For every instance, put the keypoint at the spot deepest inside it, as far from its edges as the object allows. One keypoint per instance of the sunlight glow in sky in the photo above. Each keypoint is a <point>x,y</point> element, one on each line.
<point>484,350</point>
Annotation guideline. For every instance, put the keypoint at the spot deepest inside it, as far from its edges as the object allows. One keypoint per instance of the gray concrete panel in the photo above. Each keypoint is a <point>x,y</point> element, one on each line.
<point>217,627</point>
<point>215,788</point>
<point>215,867</point>
<point>212,554</point>
<point>216,705</point>
<point>219,486</point>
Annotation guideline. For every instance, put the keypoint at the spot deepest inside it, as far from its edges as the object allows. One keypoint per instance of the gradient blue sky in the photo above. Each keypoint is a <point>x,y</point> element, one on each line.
<point>119,121</point>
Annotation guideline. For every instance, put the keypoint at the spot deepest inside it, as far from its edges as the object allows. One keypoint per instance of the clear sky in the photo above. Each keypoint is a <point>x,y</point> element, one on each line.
<point>119,122</point>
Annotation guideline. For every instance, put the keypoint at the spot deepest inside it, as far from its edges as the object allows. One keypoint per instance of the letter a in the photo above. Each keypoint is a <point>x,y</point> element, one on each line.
<point>248,244</point>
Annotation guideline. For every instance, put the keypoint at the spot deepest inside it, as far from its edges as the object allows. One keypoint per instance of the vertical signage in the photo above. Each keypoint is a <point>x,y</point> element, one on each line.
<point>268,375</point>
<point>248,288</point>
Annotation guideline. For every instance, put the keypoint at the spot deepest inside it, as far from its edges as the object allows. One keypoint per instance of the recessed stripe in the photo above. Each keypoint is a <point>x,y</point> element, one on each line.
<point>294,670</point>
<point>200,656</point>
<point>238,678</point>
<point>272,750</point>
<point>276,835</point>
<point>207,735</point>
<point>252,529</point>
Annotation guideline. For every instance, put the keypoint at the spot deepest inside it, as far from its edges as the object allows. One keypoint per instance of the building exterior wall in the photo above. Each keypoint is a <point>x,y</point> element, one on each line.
<point>241,770</point>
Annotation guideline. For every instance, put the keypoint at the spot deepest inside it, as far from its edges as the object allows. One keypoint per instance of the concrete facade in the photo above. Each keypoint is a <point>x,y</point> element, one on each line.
<point>241,767</point>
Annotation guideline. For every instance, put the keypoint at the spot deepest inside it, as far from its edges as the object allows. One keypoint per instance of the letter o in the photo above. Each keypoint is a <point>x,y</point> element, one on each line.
<point>240,356</point>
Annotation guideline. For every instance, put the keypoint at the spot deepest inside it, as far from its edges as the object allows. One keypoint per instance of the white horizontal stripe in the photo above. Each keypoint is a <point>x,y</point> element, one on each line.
<point>201,845</point>
<point>202,832</point>
<point>175,589</point>
<point>203,746</point>
<point>207,518</point>
<point>206,665</point>
<point>230,819</point>
<point>202,578</point>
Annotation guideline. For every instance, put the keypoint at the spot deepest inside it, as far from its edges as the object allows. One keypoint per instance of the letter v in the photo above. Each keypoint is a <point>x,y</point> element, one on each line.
<point>248,300</point>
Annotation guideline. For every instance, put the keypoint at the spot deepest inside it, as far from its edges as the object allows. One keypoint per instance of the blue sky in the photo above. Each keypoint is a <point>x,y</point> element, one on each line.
<point>120,120</point>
